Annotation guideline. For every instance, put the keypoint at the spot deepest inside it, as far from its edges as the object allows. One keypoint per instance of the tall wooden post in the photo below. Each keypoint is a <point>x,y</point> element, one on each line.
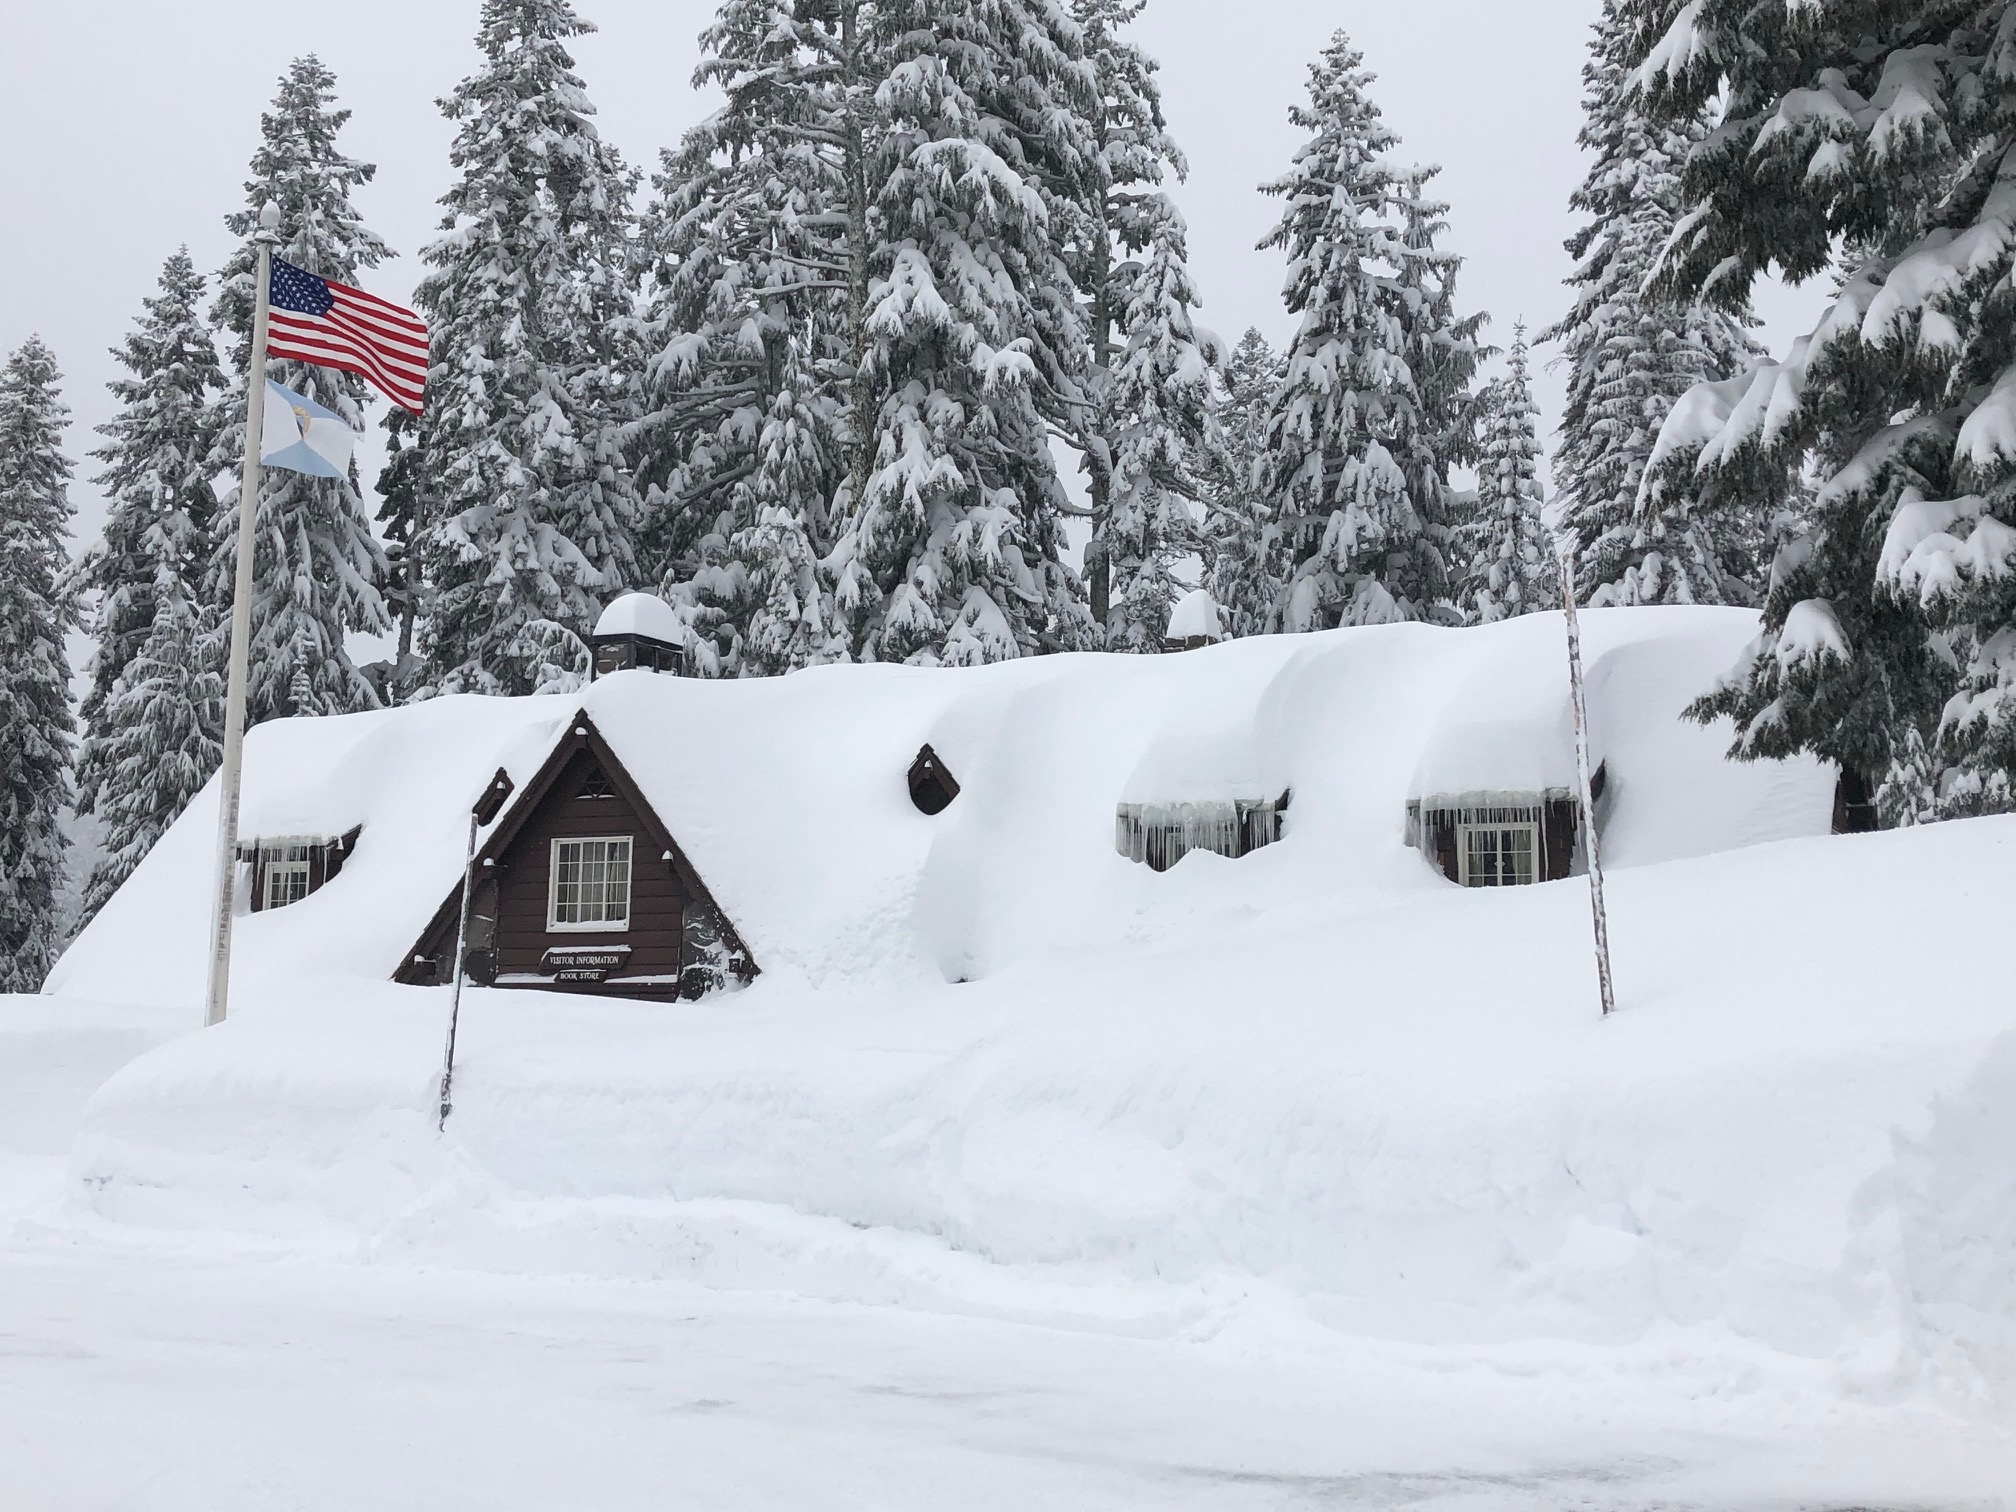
<point>1594,849</point>
<point>231,774</point>
<point>486,809</point>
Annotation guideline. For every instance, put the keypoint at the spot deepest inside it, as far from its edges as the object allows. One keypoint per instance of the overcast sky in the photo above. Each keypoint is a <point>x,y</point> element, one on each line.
<point>129,124</point>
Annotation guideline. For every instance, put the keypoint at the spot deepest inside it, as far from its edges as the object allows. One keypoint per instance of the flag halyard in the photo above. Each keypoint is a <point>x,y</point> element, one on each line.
<point>319,321</point>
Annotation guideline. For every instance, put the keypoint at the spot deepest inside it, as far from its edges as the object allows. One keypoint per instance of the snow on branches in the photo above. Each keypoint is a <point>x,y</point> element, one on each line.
<point>1356,463</point>
<point>1887,133</point>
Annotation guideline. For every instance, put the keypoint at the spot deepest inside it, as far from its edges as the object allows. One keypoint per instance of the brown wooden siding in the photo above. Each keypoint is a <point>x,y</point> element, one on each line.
<point>678,942</point>
<point>657,900</point>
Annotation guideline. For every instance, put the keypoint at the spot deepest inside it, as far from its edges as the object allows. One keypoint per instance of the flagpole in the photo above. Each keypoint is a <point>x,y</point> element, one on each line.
<point>231,774</point>
<point>1599,917</point>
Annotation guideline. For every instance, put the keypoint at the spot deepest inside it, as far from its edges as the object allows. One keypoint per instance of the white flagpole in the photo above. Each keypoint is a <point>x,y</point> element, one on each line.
<point>1594,851</point>
<point>232,772</point>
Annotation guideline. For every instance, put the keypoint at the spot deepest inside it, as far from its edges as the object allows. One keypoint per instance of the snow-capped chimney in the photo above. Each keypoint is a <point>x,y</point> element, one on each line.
<point>638,630</point>
<point>1194,622</point>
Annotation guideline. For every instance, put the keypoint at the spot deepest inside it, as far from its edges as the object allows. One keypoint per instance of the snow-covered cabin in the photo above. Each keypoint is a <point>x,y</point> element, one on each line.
<point>666,835</point>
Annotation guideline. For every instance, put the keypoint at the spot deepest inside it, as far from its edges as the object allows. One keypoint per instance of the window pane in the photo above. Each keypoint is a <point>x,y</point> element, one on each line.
<point>591,882</point>
<point>1500,856</point>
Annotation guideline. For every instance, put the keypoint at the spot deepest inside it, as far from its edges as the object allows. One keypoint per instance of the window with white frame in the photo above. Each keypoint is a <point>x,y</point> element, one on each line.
<point>590,887</point>
<point>286,868</point>
<point>1498,855</point>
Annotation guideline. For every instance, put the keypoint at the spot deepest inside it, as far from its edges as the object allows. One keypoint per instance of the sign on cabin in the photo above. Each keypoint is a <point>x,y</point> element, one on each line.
<point>584,963</point>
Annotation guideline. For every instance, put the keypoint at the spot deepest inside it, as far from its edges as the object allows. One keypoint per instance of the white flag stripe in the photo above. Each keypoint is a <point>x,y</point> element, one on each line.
<point>395,337</point>
<point>316,346</point>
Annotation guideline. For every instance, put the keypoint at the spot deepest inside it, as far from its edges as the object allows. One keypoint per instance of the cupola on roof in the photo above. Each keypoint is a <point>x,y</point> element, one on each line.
<point>643,614</point>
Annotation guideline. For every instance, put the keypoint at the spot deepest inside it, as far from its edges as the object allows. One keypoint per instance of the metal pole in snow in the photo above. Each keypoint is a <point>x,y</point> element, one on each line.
<point>461,954</point>
<point>1588,795</point>
<point>231,775</point>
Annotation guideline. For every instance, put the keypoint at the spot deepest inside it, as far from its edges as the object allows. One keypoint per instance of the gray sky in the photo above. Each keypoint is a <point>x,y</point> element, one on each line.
<point>129,124</point>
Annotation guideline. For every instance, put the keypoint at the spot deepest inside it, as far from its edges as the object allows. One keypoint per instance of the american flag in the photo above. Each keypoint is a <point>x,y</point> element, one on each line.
<point>317,320</point>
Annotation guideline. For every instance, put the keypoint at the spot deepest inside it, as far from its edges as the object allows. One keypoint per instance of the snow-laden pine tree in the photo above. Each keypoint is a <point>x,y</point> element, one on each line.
<point>1890,131</point>
<point>1443,354</point>
<point>983,166</point>
<point>37,724</point>
<point>757,324</point>
<point>1355,470</point>
<point>159,736</point>
<point>158,465</point>
<point>985,161</point>
<point>1631,352</point>
<point>319,572</point>
<point>529,517</point>
<point>1239,550</point>
<point>1151,410</point>
<point>1507,556</point>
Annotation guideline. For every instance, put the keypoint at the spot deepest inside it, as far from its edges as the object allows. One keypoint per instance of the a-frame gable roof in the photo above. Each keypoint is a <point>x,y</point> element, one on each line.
<point>580,735</point>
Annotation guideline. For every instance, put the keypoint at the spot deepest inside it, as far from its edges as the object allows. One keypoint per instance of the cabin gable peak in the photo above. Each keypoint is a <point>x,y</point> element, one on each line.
<point>580,886</point>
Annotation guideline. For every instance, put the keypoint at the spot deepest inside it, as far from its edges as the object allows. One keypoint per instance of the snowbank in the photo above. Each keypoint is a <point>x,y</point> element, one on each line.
<point>1398,1113</point>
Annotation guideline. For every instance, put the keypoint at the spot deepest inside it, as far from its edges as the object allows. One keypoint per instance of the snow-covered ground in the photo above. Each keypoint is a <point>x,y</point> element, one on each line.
<point>1300,1179</point>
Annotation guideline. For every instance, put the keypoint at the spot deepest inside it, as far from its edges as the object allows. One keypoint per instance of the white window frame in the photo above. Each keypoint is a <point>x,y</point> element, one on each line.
<point>283,861</point>
<point>1465,831</point>
<point>554,924</point>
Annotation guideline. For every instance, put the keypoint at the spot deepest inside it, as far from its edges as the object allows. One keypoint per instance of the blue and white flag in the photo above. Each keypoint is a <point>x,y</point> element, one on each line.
<point>302,436</point>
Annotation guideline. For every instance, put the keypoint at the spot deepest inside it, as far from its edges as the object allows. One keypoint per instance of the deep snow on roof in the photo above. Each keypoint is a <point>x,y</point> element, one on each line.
<point>788,794</point>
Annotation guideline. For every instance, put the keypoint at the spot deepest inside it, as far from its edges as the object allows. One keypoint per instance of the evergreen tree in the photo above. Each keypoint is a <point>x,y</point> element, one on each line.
<point>158,464</point>
<point>1355,469</point>
<point>1239,534</point>
<point>1632,352</point>
<point>1443,354</point>
<point>1150,410</point>
<point>530,515</point>
<point>1509,565</point>
<point>1887,131</point>
<point>37,725</point>
<point>400,486</point>
<point>161,736</point>
<point>985,161</point>
<point>757,316</point>
<point>319,572</point>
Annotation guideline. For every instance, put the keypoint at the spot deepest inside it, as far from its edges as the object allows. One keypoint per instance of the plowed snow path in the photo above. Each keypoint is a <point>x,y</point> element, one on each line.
<point>171,1380</point>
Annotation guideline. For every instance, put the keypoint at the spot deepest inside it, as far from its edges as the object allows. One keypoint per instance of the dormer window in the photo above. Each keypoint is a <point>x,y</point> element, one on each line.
<point>287,868</point>
<point>286,873</point>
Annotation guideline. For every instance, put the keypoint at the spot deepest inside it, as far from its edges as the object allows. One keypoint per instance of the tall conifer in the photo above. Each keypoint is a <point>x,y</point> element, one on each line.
<point>1355,468</point>
<point>1877,142</point>
<point>319,572</point>
<point>986,162</point>
<point>1150,412</point>
<point>757,319</point>
<point>1239,533</point>
<point>37,725</point>
<point>529,517</point>
<point>1507,555</point>
<point>159,461</point>
<point>1632,351</point>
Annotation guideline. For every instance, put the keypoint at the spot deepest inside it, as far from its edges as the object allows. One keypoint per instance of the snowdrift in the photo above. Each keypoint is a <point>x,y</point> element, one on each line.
<point>992,1066</point>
